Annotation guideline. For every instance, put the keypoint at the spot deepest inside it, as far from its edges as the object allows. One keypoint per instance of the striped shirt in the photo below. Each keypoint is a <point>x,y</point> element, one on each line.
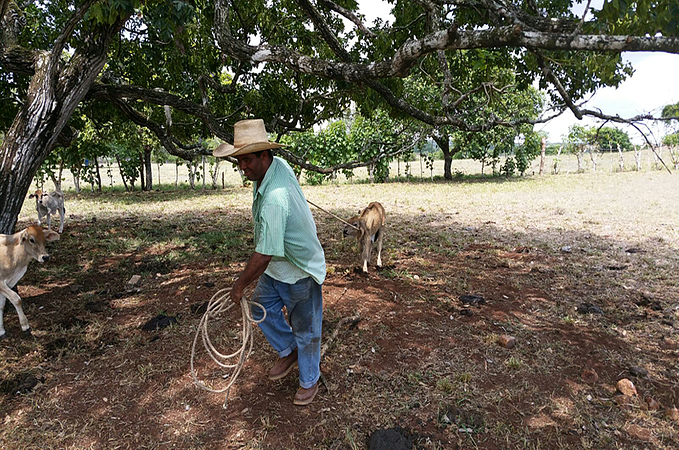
<point>285,228</point>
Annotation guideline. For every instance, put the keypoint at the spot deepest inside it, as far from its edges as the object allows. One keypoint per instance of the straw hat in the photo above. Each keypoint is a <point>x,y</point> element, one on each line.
<point>249,136</point>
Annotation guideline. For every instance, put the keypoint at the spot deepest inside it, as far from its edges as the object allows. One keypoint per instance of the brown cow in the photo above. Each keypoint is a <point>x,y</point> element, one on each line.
<point>16,251</point>
<point>368,227</point>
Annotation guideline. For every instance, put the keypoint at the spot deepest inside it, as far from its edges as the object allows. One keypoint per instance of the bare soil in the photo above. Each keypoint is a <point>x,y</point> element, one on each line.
<point>419,361</point>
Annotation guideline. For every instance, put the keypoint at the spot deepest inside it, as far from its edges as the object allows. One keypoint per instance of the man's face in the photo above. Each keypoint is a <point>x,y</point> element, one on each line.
<point>254,166</point>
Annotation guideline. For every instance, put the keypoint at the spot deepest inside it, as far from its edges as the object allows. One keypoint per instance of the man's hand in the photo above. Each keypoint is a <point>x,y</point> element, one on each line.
<point>236,293</point>
<point>255,267</point>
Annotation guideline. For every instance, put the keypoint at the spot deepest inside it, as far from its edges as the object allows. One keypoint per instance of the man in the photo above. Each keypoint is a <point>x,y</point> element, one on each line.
<point>288,259</point>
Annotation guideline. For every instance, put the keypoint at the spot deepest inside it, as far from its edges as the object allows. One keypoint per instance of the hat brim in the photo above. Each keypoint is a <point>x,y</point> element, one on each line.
<point>226,149</point>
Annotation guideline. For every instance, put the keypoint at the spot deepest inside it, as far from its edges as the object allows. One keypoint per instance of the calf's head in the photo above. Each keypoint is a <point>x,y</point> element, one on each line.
<point>350,230</point>
<point>37,195</point>
<point>33,240</point>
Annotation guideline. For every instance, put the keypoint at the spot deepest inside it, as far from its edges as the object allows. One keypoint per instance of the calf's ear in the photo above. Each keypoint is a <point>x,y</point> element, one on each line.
<point>51,236</point>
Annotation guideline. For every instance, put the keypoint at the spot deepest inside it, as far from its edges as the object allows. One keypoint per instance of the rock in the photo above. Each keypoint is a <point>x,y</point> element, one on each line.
<point>638,371</point>
<point>158,322</point>
<point>466,312</point>
<point>626,387</point>
<point>134,280</point>
<point>473,300</point>
<point>589,376</point>
<point>638,432</point>
<point>623,400</point>
<point>672,414</point>
<point>96,307</point>
<point>589,308</point>
<point>199,308</point>
<point>391,439</point>
<point>652,404</point>
<point>567,249</point>
<point>22,383</point>
<point>506,341</point>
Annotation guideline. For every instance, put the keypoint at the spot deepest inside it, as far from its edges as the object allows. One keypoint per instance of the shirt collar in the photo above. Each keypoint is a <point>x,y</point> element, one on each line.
<point>267,178</point>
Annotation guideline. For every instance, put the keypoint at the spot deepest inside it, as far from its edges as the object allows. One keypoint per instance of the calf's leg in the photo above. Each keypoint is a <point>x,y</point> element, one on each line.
<point>366,248</point>
<point>380,236</point>
<point>16,301</point>
<point>62,213</point>
<point>2,312</point>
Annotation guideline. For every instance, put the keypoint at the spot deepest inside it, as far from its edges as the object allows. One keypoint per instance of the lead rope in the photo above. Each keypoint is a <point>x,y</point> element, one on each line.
<point>336,217</point>
<point>219,303</point>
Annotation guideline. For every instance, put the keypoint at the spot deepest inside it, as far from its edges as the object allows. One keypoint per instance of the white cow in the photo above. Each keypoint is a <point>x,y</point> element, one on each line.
<point>16,251</point>
<point>47,204</point>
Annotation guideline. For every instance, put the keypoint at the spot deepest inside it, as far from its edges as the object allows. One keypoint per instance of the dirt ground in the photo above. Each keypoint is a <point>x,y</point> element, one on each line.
<point>420,361</point>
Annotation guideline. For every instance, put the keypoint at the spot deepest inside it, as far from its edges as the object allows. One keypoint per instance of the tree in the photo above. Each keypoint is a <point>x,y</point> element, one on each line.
<point>164,74</point>
<point>58,84</point>
<point>542,38</point>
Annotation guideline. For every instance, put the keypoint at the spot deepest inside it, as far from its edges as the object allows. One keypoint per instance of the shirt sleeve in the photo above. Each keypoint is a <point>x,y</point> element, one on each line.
<point>270,231</point>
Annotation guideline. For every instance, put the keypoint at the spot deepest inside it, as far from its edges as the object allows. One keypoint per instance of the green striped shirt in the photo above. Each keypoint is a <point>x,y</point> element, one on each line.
<point>285,228</point>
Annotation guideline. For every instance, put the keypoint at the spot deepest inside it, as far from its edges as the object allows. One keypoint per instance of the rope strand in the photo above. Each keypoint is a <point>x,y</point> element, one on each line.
<point>218,304</point>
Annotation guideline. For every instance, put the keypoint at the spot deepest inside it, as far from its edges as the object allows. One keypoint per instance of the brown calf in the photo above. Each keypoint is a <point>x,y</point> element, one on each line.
<point>369,229</point>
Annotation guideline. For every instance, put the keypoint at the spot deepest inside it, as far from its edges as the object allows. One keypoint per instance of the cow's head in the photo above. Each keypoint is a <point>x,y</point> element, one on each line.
<point>353,229</point>
<point>34,238</point>
<point>37,195</point>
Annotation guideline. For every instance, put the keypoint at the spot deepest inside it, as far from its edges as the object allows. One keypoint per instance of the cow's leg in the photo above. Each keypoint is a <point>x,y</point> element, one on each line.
<point>62,213</point>
<point>2,311</point>
<point>16,301</point>
<point>380,236</point>
<point>366,248</point>
<point>49,221</point>
<point>39,218</point>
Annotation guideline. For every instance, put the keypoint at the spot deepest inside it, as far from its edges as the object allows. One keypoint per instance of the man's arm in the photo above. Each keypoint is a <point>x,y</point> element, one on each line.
<point>255,267</point>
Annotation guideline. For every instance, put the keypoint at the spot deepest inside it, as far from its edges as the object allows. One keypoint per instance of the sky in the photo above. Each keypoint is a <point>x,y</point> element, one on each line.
<point>653,85</point>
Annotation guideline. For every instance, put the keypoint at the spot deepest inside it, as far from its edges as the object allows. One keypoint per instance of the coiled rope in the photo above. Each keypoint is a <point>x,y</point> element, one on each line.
<point>219,303</point>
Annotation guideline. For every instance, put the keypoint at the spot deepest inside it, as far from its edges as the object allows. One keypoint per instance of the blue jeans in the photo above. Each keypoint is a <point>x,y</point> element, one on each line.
<point>304,302</point>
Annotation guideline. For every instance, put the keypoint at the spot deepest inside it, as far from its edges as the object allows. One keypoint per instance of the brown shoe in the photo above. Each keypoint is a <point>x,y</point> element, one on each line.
<point>283,366</point>
<point>305,396</point>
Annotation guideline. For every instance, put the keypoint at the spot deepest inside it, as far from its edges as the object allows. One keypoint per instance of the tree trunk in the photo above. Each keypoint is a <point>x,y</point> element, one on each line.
<point>637,158</point>
<point>673,155</point>
<point>121,173</point>
<point>203,162</point>
<point>593,157</point>
<point>192,173</point>
<point>76,180</point>
<point>149,172</point>
<point>96,165</point>
<point>55,90</point>
<point>543,144</point>
<point>578,155</point>
<point>443,142</point>
<point>556,160</point>
<point>56,179</point>
<point>142,175</point>
<point>215,174</point>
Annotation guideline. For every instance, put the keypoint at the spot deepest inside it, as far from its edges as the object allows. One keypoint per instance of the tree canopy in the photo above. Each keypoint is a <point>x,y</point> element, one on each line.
<point>187,70</point>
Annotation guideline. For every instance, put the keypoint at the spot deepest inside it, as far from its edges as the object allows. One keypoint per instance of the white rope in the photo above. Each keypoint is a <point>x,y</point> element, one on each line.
<point>333,215</point>
<point>219,303</point>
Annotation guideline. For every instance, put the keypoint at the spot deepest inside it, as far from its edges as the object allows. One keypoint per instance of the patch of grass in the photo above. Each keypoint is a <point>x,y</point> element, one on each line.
<point>444,385</point>
<point>513,363</point>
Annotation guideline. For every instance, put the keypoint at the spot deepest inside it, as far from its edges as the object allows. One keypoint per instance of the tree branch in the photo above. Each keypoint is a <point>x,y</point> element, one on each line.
<point>349,15</point>
<point>159,97</point>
